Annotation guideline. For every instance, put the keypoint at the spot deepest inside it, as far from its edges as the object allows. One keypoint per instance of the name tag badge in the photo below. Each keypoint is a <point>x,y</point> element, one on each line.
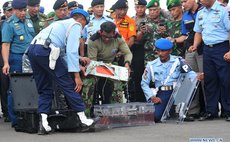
<point>29,25</point>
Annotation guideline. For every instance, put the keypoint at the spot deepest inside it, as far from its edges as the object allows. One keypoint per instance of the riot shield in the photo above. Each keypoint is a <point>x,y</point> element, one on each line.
<point>181,97</point>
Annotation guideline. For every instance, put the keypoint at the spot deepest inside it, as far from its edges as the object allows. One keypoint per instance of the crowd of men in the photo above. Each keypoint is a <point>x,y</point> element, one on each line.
<point>61,44</point>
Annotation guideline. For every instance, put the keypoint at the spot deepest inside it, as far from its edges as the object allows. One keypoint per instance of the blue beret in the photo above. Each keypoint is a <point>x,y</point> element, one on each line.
<point>33,2</point>
<point>80,6</point>
<point>97,2</point>
<point>19,4</point>
<point>60,4</point>
<point>41,9</point>
<point>140,2</point>
<point>121,4</point>
<point>163,44</point>
<point>82,12</point>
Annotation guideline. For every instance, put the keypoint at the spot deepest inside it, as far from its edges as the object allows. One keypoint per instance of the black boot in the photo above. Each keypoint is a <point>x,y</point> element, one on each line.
<point>43,127</point>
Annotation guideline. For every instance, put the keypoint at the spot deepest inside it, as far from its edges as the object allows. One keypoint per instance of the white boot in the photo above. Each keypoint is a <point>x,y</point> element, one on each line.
<point>44,127</point>
<point>84,119</point>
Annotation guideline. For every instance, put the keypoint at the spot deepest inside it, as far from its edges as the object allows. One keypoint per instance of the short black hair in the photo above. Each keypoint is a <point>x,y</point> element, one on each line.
<point>108,27</point>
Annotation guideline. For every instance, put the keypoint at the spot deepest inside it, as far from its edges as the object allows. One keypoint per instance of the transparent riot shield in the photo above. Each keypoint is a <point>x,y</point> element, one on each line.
<point>181,97</point>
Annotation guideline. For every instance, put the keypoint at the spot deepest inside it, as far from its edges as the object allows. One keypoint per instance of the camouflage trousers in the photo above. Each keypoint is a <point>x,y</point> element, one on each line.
<point>89,92</point>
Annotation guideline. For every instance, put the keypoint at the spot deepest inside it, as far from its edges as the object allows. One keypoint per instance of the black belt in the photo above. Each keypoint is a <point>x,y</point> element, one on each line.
<point>213,45</point>
<point>166,88</point>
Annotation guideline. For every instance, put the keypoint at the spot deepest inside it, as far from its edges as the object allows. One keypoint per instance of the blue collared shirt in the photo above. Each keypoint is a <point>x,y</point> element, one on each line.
<point>18,33</point>
<point>189,17</point>
<point>157,72</point>
<point>213,24</point>
<point>57,32</point>
<point>94,26</point>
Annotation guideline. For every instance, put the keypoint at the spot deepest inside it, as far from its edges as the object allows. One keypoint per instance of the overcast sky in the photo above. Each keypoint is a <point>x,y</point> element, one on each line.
<point>48,4</point>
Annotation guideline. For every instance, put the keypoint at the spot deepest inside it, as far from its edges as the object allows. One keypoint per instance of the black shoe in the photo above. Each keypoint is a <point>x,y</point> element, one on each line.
<point>91,128</point>
<point>226,117</point>
<point>206,116</point>
<point>189,118</point>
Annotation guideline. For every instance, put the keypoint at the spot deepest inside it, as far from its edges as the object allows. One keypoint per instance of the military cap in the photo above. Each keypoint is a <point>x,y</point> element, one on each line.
<point>19,4</point>
<point>7,6</point>
<point>111,10</point>
<point>173,3</point>
<point>97,2</point>
<point>51,14</point>
<point>140,2</point>
<point>163,44</point>
<point>121,4</point>
<point>72,4</point>
<point>82,12</point>
<point>153,3</point>
<point>80,6</point>
<point>60,4</point>
<point>226,1</point>
<point>33,2</point>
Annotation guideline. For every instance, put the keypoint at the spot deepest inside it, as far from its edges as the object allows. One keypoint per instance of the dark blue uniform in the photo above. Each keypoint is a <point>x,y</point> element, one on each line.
<point>214,26</point>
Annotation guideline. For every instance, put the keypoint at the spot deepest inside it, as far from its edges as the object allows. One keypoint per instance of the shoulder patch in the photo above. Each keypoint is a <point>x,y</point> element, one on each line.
<point>95,36</point>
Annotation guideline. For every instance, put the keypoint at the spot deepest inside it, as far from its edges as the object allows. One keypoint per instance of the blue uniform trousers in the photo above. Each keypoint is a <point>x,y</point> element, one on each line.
<point>216,78</point>
<point>39,58</point>
<point>160,107</point>
<point>15,61</point>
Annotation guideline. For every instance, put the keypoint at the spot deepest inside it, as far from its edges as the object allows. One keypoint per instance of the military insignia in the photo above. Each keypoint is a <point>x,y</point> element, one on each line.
<point>124,24</point>
<point>136,2</point>
<point>87,18</point>
<point>17,27</point>
<point>10,5</point>
<point>131,28</point>
<point>21,38</point>
<point>156,4</point>
<point>126,4</point>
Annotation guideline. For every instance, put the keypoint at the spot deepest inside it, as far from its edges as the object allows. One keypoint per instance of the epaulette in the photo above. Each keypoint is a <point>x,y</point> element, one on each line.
<point>222,4</point>
<point>95,36</point>
<point>200,8</point>
<point>109,17</point>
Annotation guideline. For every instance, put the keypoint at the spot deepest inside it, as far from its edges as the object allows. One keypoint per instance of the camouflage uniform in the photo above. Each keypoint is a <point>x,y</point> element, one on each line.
<point>175,28</point>
<point>174,31</point>
<point>151,36</point>
<point>39,22</point>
